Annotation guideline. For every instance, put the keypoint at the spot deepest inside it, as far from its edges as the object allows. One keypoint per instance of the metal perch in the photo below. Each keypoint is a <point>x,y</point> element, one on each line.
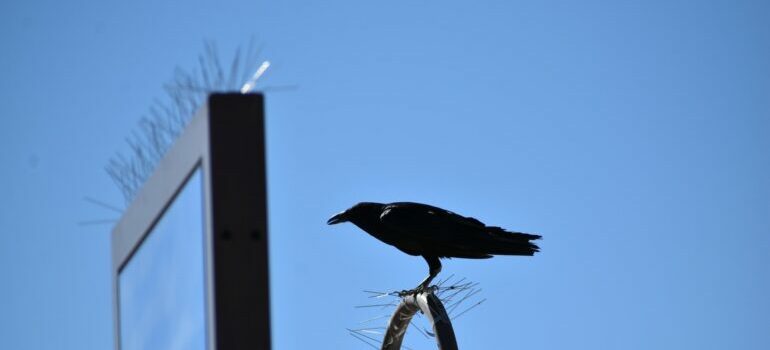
<point>430,305</point>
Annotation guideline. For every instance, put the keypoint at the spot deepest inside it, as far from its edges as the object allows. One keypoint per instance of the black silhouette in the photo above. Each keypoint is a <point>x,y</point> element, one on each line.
<point>433,233</point>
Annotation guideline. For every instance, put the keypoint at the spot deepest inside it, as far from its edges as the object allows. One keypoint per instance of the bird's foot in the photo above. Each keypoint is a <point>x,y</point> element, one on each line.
<point>414,292</point>
<point>406,292</point>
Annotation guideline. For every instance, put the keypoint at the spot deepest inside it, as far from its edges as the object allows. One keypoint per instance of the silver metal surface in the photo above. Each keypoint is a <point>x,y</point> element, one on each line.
<point>430,305</point>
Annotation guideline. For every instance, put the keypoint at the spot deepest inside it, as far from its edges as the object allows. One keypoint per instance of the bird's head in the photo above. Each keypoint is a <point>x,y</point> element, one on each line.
<point>357,213</point>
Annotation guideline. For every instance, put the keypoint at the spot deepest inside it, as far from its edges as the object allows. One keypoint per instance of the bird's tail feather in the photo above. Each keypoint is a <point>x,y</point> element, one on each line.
<point>502,242</point>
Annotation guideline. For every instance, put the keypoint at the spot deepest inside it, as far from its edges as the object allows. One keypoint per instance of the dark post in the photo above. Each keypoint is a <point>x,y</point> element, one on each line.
<point>239,218</point>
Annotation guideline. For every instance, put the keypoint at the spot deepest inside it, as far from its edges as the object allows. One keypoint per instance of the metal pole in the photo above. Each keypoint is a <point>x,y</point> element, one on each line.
<point>430,305</point>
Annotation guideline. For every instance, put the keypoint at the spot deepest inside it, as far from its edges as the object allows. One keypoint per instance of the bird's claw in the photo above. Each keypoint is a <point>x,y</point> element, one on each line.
<point>413,292</point>
<point>405,292</point>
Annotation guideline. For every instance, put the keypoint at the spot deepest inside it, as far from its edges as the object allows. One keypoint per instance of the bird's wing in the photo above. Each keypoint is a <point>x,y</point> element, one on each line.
<point>429,222</point>
<point>445,233</point>
<point>410,213</point>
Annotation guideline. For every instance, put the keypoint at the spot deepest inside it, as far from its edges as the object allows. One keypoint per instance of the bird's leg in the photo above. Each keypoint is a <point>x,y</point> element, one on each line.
<point>434,267</point>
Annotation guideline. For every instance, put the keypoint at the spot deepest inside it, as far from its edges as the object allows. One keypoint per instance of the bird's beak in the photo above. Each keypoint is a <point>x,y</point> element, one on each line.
<point>336,219</point>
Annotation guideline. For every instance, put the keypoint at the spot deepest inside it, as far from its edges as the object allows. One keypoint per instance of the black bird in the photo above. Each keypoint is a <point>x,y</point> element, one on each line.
<point>433,233</point>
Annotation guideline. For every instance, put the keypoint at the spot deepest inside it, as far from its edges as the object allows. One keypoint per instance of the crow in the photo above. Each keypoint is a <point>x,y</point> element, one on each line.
<point>433,233</point>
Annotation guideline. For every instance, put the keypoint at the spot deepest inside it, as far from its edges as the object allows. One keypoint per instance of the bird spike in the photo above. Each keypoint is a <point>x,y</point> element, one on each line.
<point>246,88</point>
<point>458,294</point>
<point>167,117</point>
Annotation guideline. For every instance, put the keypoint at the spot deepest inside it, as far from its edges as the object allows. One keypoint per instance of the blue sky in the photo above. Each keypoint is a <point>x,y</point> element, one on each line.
<point>632,136</point>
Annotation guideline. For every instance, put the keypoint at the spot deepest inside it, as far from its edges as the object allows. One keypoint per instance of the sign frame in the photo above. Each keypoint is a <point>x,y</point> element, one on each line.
<point>226,140</point>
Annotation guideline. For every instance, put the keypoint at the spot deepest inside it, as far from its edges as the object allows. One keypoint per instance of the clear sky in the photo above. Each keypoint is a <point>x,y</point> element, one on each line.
<point>633,136</point>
